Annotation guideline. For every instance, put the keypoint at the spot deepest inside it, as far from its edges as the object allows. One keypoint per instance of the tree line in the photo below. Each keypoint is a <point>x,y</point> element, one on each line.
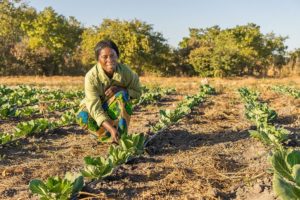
<point>47,43</point>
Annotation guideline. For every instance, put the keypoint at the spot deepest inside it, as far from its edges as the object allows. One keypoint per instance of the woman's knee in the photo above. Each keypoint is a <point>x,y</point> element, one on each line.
<point>123,94</point>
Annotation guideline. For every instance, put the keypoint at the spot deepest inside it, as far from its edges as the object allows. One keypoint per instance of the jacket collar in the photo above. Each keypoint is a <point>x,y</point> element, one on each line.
<point>105,78</point>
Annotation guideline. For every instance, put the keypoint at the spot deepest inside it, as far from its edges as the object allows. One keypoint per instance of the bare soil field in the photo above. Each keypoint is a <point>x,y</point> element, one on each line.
<point>207,155</point>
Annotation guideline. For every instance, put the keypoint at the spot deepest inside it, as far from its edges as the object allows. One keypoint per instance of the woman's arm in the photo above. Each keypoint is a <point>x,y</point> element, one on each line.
<point>93,102</point>
<point>134,87</point>
<point>94,107</point>
<point>113,131</point>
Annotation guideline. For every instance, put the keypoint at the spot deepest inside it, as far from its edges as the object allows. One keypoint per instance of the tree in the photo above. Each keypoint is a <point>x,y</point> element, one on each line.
<point>294,57</point>
<point>52,36</point>
<point>140,47</point>
<point>234,51</point>
<point>12,15</point>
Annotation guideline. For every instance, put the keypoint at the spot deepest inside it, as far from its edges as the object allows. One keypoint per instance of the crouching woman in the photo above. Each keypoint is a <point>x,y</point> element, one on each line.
<point>109,86</point>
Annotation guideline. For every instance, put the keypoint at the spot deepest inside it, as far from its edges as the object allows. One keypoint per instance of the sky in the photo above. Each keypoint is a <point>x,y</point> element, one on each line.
<point>173,18</point>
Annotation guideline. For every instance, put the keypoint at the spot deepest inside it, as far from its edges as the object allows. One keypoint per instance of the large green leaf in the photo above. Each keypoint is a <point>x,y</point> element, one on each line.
<point>296,173</point>
<point>284,189</point>
<point>262,136</point>
<point>97,167</point>
<point>118,155</point>
<point>38,187</point>
<point>293,158</point>
<point>76,180</point>
<point>279,164</point>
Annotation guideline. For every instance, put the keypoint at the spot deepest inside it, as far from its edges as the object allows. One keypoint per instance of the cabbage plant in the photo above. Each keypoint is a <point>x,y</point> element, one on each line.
<point>56,188</point>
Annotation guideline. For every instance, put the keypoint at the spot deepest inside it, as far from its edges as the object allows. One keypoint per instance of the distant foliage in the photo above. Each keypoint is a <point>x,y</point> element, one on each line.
<point>140,47</point>
<point>34,43</point>
<point>242,50</point>
<point>51,40</point>
<point>11,33</point>
<point>47,43</point>
<point>293,67</point>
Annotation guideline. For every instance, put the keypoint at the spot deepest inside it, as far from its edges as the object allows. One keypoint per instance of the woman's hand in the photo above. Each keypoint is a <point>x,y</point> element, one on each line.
<point>112,130</point>
<point>113,90</point>
<point>115,137</point>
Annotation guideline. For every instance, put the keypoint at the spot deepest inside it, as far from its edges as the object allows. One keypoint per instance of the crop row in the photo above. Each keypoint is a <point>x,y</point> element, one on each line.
<point>25,95</point>
<point>262,116</point>
<point>285,162</point>
<point>8,110</point>
<point>152,96</point>
<point>24,101</point>
<point>37,126</point>
<point>99,167</point>
<point>287,90</point>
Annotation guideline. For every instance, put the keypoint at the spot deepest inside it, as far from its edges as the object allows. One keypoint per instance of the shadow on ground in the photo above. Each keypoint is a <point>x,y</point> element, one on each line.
<point>172,141</point>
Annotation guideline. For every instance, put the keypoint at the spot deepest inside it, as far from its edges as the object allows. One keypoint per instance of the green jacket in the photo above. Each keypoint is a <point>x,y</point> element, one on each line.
<point>96,82</point>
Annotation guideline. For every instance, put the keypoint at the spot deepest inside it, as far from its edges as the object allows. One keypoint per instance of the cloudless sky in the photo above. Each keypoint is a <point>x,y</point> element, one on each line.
<point>173,18</point>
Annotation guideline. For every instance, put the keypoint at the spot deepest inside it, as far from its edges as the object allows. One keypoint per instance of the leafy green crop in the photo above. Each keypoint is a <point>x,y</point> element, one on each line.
<point>7,110</point>
<point>260,113</point>
<point>207,89</point>
<point>287,90</point>
<point>248,95</point>
<point>69,117</point>
<point>129,146</point>
<point>262,116</point>
<point>133,143</point>
<point>4,90</point>
<point>32,127</point>
<point>97,168</point>
<point>269,134</point>
<point>168,117</point>
<point>152,96</point>
<point>285,163</point>
<point>24,101</point>
<point>118,156</point>
<point>5,138</point>
<point>56,188</point>
<point>286,180</point>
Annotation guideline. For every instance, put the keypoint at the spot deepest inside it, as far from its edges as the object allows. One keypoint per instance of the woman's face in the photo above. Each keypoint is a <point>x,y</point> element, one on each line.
<point>108,60</point>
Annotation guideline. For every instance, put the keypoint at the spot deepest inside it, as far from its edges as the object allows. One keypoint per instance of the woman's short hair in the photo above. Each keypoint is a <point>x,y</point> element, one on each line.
<point>103,44</point>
